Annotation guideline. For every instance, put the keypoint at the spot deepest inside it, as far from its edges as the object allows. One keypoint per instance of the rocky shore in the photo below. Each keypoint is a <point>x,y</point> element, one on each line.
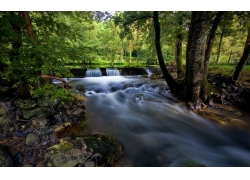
<point>41,133</point>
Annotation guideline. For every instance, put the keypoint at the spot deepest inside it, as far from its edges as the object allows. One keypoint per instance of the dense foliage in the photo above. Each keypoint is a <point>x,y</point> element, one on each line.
<point>62,39</point>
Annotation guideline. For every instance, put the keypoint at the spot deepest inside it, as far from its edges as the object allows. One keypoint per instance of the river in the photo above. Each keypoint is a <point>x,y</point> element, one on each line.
<point>155,128</point>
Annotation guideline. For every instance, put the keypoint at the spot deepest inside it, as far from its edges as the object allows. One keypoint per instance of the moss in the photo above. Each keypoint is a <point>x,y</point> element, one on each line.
<point>108,146</point>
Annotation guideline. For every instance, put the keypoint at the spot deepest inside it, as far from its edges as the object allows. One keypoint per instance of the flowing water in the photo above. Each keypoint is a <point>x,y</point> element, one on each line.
<point>155,128</point>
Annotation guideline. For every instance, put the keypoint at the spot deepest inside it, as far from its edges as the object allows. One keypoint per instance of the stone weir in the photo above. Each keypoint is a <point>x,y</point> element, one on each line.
<point>124,71</point>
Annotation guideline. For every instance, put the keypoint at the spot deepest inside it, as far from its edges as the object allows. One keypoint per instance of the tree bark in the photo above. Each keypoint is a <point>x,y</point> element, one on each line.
<point>220,44</point>
<point>28,25</point>
<point>195,56</point>
<point>173,85</point>
<point>243,59</point>
<point>178,46</point>
<point>210,41</point>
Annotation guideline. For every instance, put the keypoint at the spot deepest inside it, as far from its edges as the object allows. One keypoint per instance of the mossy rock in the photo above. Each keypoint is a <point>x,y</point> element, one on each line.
<point>37,112</point>
<point>97,150</point>
<point>25,103</point>
<point>3,121</point>
<point>108,146</point>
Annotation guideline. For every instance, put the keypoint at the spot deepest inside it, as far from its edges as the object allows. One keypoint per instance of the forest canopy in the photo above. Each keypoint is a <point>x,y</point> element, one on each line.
<point>39,43</point>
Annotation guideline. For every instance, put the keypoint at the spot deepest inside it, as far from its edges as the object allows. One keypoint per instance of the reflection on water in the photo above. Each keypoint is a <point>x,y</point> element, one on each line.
<point>155,128</point>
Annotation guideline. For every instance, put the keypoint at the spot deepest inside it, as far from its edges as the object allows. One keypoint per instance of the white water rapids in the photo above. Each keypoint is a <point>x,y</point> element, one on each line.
<point>155,128</point>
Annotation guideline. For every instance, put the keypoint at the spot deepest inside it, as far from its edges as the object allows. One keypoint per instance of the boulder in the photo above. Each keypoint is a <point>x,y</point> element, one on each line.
<point>87,150</point>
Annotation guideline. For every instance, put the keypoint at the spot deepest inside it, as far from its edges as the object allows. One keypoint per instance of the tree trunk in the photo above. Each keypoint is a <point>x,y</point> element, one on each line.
<point>178,59</point>
<point>243,59</point>
<point>31,34</point>
<point>220,44</point>
<point>211,41</point>
<point>195,56</point>
<point>230,57</point>
<point>16,40</point>
<point>28,25</point>
<point>173,85</point>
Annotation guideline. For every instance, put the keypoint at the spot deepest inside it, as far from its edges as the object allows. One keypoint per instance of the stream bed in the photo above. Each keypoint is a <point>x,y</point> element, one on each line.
<point>155,128</point>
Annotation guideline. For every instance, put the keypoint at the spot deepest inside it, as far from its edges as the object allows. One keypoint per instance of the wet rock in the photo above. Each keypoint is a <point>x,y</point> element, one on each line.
<point>18,159</point>
<point>80,88</point>
<point>88,150</point>
<point>32,139</point>
<point>5,157</point>
<point>79,114</point>
<point>28,165</point>
<point>40,123</point>
<point>3,121</point>
<point>89,164</point>
<point>61,118</point>
<point>37,112</point>
<point>107,146</point>
<point>25,103</point>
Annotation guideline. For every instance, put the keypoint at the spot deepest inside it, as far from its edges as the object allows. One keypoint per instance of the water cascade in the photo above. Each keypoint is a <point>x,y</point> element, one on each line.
<point>148,71</point>
<point>112,72</point>
<point>93,72</point>
<point>155,128</point>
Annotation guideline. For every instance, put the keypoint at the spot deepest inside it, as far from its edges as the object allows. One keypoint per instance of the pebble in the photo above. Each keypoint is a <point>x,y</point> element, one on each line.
<point>32,139</point>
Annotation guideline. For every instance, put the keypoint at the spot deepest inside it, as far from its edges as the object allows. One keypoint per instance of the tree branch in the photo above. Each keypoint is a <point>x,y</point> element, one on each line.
<point>66,85</point>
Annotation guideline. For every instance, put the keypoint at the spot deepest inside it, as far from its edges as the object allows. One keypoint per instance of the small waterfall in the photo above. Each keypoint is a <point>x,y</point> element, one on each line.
<point>93,72</point>
<point>148,71</point>
<point>112,72</point>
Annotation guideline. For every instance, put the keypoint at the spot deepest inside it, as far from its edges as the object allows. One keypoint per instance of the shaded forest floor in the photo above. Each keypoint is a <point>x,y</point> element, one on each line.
<point>231,108</point>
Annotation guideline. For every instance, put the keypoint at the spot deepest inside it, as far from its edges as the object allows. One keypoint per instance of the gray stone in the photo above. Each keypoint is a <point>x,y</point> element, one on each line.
<point>32,139</point>
<point>5,157</point>
<point>78,111</point>
<point>18,159</point>
<point>89,164</point>
<point>40,123</point>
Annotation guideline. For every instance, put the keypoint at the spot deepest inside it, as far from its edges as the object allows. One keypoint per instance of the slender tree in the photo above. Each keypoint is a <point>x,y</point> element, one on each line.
<point>173,85</point>
<point>243,60</point>
<point>210,41</point>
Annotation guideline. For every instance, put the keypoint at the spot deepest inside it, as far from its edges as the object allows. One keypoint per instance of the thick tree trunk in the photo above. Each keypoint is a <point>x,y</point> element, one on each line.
<point>243,60</point>
<point>178,59</point>
<point>173,85</point>
<point>195,56</point>
<point>211,41</point>
<point>220,45</point>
